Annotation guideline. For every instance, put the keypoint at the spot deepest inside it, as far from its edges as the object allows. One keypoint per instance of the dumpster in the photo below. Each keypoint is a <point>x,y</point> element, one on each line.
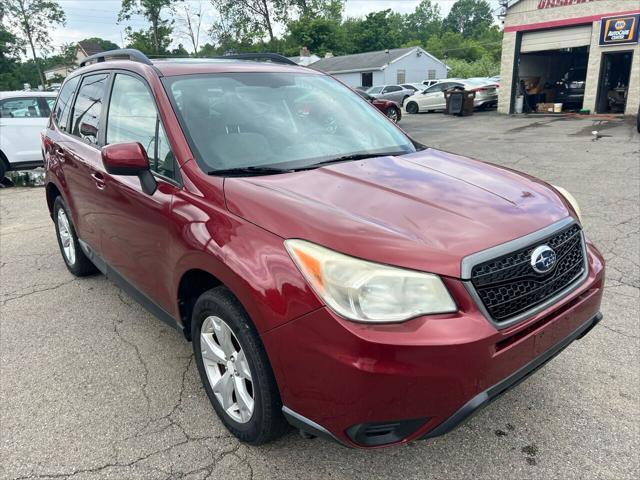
<point>459,102</point>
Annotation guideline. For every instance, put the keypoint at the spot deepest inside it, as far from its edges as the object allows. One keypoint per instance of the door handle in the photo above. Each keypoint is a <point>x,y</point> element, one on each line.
<point>98,178</point>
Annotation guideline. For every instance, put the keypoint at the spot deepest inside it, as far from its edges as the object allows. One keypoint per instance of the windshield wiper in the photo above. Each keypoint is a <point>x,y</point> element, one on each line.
<point>346,158</point>
<point>252,170</point>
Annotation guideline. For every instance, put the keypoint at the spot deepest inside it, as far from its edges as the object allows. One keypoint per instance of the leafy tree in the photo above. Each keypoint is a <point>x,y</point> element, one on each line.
<point>424,22</point>
<point>485,66</point>
<point>105,44</point>
<point>319,34</point>
<point>314,8</point>
<point>152,10</point>
<point>146,40</point>
<point>378,31</point>
<point>253,18</point>
<point>469,17</point>
<point>32,22</point>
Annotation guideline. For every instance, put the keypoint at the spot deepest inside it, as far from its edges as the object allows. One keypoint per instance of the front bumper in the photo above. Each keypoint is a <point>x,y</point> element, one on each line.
<point>377,385</point>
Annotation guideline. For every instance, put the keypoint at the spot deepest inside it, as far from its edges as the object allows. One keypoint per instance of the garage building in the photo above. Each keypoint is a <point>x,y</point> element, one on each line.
<point>581,53</point>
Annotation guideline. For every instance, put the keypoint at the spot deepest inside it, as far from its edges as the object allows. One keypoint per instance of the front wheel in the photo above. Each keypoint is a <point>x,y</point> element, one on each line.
<point>234,368</point>
<point>412,107</point>
<point>393,114</point>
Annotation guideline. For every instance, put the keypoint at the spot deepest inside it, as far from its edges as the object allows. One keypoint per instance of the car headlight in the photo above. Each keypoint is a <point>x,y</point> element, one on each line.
<point>571,199</point>
<point>369,292</point>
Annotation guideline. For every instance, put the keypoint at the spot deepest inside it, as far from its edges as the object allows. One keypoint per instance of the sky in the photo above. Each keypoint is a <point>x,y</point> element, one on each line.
<point>98,18</point>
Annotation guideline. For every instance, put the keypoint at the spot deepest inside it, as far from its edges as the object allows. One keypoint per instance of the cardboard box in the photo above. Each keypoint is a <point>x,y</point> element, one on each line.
<point>545,108</point>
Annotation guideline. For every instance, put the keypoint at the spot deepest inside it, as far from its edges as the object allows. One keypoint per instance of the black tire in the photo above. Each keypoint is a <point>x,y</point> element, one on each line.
<point>81,266</point>
<point>3,167</point>
<point>412,108</point>
<point>267,422</point>
<point>393,114</point>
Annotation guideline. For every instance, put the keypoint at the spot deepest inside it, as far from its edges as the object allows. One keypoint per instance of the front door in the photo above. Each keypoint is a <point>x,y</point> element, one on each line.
<point>136,239</point>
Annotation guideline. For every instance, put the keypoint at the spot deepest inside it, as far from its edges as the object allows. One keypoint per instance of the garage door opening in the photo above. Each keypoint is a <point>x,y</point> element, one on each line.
<point>551,77</point>
<point>614,82</point>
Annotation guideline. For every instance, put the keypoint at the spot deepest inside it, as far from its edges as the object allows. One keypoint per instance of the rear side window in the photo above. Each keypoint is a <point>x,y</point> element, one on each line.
<point>133,117</point>
<point>88,107</point>
<point>63,104</point>
<point>22,107</point>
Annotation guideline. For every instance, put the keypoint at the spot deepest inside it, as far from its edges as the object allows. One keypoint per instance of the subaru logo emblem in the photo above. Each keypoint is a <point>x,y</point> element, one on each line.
<point>543,259</point>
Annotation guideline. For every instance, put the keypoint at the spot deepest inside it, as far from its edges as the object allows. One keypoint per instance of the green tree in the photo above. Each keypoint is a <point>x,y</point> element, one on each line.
<point>105,44</point>
<point>252,18</point>
<point>378,31</point>
<point>319,34</point>
<point>152,10</point>
<point>423,23</point>
<point>150,41</point>
<point>469,17</point>
<point>32,22</point>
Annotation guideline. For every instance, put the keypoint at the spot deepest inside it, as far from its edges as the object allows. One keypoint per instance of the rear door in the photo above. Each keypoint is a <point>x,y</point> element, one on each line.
<point>80,155</point>
<point>136,239</point>
<point>22,120</point>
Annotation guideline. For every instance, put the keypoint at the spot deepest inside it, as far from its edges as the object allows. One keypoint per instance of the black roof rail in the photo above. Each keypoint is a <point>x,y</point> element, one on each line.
<point>261,57</point>
<point>126,53</point>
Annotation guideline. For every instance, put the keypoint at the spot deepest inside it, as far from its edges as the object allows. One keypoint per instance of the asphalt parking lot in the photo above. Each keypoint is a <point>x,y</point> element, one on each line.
<point>92,386</point>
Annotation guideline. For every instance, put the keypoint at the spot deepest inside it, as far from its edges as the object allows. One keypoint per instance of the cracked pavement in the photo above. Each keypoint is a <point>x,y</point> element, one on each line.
<point>92,386</point>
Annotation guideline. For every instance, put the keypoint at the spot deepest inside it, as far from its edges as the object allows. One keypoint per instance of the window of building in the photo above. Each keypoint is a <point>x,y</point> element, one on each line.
<point>133,117</point>
<point>401,76</point>
<point>88,107</point>
<point>63,104</point>
<point>366,79</point>
<point>431,75</point>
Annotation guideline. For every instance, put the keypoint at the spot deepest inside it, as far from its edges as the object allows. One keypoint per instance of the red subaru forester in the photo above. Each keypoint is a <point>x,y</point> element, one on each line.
<point>331,272</point>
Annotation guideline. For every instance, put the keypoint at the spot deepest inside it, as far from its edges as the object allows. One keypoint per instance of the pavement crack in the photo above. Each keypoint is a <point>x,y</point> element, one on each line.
<point>36,290</point>
<point>619,332</point>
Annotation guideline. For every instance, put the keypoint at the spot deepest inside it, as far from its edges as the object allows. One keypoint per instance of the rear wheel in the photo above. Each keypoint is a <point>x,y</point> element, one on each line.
<point>393,114</point>
<point>234,368</point>
<point>73,256</point>
<point>412,107</point>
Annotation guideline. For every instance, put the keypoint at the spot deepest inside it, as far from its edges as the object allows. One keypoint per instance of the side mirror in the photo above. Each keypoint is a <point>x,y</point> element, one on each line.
<point>87,130</point>
<point>129,159</point>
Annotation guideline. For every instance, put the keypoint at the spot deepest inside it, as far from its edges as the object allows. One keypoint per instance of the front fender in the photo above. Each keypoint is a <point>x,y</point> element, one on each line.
<point>248,260</point>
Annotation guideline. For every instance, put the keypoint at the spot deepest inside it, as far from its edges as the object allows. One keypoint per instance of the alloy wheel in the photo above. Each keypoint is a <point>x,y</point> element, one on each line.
<point>392,113</point>
<point>66,238</point>
<point>227,369</point>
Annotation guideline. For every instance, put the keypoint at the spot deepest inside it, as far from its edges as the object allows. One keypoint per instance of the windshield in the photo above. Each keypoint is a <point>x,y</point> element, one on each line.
<point>252,119</point>
<point>374,90</point>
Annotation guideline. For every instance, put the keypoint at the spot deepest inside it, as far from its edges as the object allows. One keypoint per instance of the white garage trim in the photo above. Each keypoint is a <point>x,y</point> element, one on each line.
<point>556,38</point>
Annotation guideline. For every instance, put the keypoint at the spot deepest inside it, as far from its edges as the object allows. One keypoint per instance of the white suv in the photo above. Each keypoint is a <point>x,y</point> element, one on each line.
<point>23,115</point>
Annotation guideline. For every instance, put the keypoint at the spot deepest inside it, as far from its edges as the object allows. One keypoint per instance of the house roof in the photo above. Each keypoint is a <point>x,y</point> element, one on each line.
<point>90,48</point>
<point>365,61</point>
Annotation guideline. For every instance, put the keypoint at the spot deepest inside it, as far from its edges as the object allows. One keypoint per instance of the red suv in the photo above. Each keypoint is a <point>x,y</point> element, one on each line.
<point>330,271</point>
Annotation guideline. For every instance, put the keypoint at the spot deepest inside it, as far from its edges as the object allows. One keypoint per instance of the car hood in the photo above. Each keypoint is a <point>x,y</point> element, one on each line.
<point>424,211</point>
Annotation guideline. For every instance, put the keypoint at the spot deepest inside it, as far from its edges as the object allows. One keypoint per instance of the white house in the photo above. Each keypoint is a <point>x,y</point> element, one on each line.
<point>398,65</point>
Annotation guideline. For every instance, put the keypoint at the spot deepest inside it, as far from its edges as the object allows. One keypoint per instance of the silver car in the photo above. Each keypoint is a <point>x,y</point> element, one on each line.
<point>395,93</point>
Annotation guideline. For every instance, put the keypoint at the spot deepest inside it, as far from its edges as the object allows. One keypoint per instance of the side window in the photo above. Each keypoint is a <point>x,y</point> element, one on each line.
<point>21,107</point>
<point>438,87</point>
<point>88,107</point>
<point>393,88</point>
<point>63,104</point>
<point>133,117</point>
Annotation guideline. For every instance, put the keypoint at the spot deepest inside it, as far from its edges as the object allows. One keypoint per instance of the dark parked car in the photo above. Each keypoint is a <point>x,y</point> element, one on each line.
<point>330,271</point>
<point>389,108</point>
<point>571,87</point>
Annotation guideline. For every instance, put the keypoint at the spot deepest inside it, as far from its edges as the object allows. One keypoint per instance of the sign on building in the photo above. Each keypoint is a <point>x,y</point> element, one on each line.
<point>560,3</point>
<point>619,30</point>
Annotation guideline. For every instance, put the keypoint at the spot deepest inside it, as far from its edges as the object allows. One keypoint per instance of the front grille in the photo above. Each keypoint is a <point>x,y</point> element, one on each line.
<point>509,286</point>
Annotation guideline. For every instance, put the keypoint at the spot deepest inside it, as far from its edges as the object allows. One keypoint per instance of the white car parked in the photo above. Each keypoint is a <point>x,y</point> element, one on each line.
<point>23,115</point>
